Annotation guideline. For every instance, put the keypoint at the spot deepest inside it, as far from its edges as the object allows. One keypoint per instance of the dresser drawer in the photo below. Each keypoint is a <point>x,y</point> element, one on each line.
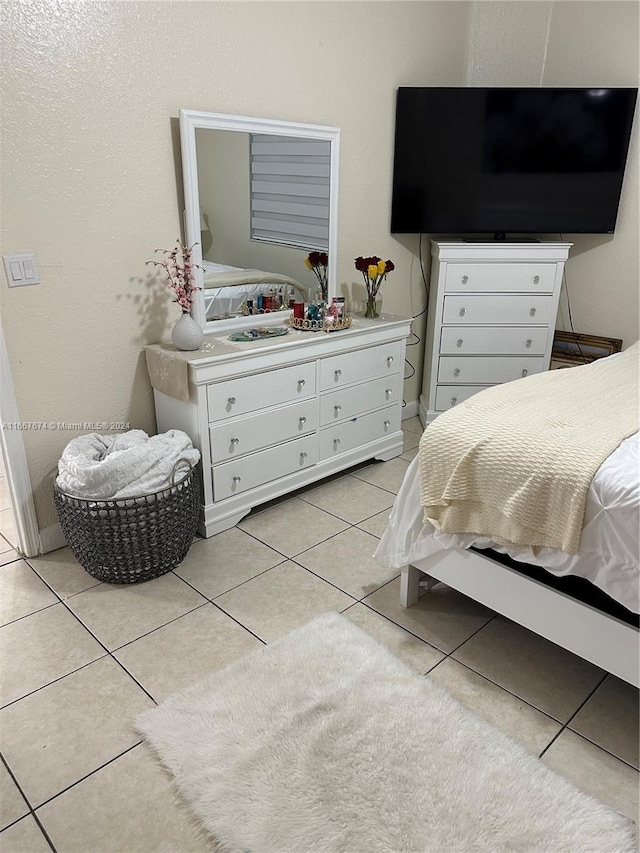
<point>251,393</point>
<point>507,310</point>
<point>349,367</point>
<point>231,438</point>
<point>343,437</point>
<point>239,475</point>
<point>501,278</point>
<point>487,370</point>
<point>476,340</point>
<point>448,396</point>
<point>359,398</point>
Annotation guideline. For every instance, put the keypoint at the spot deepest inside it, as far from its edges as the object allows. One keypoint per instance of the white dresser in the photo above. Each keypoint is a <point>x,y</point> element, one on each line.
<point>492,316</point>
<point>273,415</point>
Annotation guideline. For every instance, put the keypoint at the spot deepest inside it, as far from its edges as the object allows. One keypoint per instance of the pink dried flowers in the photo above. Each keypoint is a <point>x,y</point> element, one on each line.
<point>180,274</point>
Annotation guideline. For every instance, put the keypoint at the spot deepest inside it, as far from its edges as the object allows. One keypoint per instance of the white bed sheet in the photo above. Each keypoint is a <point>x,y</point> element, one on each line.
<point>225,301</point>
<point>609,544</point>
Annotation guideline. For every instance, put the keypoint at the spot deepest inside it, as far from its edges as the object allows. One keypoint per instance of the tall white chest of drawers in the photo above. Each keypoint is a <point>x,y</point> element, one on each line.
<point>492,316</point>
<point>273,415</point>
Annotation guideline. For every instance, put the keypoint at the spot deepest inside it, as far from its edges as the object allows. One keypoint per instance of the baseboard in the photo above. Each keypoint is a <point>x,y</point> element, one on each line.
<point>52,538</point>
<point>410,410</point>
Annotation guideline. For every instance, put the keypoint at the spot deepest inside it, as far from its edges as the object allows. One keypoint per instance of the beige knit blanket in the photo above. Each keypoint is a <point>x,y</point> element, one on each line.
<point>514,462</point>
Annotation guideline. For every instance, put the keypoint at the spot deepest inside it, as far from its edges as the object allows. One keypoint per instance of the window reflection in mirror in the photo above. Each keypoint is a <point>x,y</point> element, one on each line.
<point>242,274</point>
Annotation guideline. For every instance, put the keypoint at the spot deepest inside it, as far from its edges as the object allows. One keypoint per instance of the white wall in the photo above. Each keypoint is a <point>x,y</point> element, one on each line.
<point>91,178</point>
<point>574,44</point>
<point>599,47</point>
<point>90,181</point>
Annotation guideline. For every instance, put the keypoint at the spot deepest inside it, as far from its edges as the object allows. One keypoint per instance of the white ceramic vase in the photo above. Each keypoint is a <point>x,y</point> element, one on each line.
<point>187,334</point>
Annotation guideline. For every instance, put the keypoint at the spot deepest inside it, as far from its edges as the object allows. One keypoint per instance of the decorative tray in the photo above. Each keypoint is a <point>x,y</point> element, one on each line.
<point>259,334</point>
<point>319,325</point>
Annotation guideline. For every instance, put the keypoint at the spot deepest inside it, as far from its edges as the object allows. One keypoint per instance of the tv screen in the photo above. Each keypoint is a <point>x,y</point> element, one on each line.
<point>483,160</point>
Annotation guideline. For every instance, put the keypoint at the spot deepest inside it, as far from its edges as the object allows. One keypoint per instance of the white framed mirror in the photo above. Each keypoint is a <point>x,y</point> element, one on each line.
<point>260,196</point>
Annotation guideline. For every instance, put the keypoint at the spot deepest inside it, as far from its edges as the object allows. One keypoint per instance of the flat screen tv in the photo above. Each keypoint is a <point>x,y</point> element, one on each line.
<point>521,161</point>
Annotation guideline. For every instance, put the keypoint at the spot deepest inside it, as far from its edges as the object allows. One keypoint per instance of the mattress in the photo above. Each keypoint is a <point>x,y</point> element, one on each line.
<point>221,302</point>
<point>609,543</point>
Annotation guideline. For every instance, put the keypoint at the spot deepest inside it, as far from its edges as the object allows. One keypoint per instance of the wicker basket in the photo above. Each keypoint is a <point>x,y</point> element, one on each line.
<point>132,539</point>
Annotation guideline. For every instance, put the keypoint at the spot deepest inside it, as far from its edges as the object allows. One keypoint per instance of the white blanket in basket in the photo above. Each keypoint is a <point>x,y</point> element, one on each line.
<point>127,465</point>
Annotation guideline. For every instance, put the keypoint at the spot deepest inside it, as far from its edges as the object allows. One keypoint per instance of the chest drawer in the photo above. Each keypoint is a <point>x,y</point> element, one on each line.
<point>343,437</point>
<point>231,438</point>
<point>239,475</point>
<point>507,310</point>
<point>359,399</point>
<point>344,369</point>
<point>500,278</point>
<point>448,396</point>
<point>477,340</point>
<point>487,370</point>
<point>251,393</point>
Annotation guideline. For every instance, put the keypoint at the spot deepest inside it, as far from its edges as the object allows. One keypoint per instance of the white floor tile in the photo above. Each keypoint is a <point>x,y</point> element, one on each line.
<point>59,734</point>
<point>543,674</point>
<point>12,803</point>
<point>126,806</point>
<point>22,592</point>
<point>119,614</point>
<point>40,648</point>
<point>185,651</point>
<point>595,771</point>
<point>280,600</point>
<point>24,837</point>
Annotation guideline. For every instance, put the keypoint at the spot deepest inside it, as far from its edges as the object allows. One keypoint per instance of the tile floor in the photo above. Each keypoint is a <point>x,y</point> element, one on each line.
<point>81,659</point>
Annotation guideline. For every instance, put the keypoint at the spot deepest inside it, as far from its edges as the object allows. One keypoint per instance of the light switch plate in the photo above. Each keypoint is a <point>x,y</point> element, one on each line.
<point>21,269</point>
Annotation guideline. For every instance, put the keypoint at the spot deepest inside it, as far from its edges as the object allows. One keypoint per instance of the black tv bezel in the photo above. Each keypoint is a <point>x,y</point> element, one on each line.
<point>500,233</point>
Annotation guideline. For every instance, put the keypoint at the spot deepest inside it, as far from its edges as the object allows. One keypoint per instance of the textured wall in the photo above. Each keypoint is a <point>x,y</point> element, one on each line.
<point>600,47</point>
<point>90,174</point>
<point>89,168</point>
<point>574,44</point>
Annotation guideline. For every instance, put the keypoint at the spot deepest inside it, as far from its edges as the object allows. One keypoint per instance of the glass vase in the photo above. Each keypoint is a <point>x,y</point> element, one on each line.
<point>187,334</point>
<point>373,306</point>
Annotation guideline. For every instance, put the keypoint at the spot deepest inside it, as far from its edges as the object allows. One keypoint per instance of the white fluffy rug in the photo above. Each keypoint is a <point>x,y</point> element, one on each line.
<point>325,743</point>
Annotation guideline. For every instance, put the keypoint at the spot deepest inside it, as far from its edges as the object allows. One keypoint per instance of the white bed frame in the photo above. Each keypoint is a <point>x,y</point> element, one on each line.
<point>601,639</point>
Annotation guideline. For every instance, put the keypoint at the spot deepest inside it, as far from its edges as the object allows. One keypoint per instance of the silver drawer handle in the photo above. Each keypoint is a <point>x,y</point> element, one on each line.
<point>456,372</point>
<point>235,441</point>
<point>337,409</point>
<point>231,401</point>
<point>465,279</point>
<point>388,392</point>
<point>387,424</point>
<point>532,313</point>
<point>236,480</point>
<point>302,420</point>
<point>536,279</point>
<point>454,400</point>
<point>336,441</point>
<point>303,455</point>
<point>337,373</point>
<point>301,382</point>
<point>463,311</point>
<point>389,360</point>
<point>459,343</point>
<point>525,372</point>
<point>528,343</point>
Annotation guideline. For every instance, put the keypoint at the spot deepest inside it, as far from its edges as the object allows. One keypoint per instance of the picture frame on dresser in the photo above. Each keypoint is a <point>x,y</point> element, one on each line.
<point>573,348</point>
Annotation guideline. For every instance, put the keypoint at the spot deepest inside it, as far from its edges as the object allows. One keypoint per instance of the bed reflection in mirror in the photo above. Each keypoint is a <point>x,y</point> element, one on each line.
<point>264,205</point>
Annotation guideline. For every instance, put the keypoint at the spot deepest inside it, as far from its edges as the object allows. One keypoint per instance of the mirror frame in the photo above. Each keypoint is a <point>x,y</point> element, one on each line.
<point>192,120</point>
